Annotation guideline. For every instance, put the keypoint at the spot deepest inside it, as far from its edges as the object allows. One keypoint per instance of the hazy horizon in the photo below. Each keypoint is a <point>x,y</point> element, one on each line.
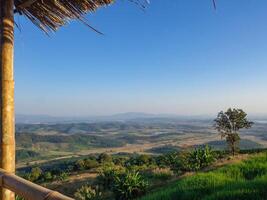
<point>250,115</point>
<point>180,58</point>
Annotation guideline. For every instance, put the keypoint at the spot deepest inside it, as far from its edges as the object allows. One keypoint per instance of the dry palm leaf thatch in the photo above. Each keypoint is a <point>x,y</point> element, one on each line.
<point>49,15</point>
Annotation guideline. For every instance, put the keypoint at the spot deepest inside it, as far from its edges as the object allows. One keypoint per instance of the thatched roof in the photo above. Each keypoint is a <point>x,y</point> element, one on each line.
<point>51,14</point>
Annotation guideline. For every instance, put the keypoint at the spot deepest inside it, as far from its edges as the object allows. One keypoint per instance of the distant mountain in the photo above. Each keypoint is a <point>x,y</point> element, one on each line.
<point>262,119</point>
<point>36,119</point>
<point>138,116</point>
<point>40,119</point>
<point>132,115</point>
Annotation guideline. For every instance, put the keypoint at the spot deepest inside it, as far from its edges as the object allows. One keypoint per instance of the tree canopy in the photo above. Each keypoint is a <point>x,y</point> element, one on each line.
<point>229,123</point>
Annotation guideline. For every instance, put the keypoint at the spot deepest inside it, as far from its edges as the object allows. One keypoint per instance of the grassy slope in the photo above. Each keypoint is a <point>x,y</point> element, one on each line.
<point>243,181</point>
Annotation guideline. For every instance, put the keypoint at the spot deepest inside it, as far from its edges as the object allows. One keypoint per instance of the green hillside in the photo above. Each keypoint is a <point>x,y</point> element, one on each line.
<point>243,181</point>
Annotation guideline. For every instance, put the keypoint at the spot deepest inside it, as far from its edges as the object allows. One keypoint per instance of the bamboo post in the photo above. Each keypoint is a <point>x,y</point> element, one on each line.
<point>7,92</point>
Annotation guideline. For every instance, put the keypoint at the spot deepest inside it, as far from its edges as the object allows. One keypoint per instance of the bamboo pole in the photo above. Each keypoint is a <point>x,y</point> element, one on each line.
<point>27,189</point>
<point>7,92</point>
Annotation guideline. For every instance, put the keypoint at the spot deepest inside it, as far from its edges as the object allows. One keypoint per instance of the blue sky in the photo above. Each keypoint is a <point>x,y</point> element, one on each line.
<point>179,56</point>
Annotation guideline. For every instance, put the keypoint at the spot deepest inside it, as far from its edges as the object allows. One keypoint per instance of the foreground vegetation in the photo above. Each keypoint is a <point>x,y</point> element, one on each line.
<point>123,176</point>
<point>175,170</point>
<point>132,176</point>
<point>244,181</point>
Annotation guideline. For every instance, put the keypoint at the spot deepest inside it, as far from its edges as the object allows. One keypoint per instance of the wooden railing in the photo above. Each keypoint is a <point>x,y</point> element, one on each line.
<point>27,189</point>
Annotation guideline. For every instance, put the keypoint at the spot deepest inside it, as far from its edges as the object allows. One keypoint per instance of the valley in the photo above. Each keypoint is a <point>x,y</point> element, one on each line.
<point>40,143</point>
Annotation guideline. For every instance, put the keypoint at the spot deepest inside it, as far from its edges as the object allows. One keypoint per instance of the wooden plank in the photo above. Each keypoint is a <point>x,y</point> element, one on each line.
<point>27,189</point>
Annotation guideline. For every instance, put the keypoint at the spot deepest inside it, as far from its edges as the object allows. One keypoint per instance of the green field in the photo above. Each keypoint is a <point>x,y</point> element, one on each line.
<point>41,142</point>
<point>243,181</point>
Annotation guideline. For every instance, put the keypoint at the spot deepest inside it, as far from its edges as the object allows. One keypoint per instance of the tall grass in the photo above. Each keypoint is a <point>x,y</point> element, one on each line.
<point>244,181</point>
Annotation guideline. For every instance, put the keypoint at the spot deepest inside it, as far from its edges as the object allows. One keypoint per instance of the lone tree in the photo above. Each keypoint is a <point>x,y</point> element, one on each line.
<point>229,123</point>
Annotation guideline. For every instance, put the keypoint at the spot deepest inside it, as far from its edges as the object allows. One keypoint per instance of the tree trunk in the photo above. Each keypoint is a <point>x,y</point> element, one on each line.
<point>7,123</point>
<point>233,151</point>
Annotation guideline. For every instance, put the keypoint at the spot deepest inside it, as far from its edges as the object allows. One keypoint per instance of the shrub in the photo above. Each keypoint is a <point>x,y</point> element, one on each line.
<point>199,158</point>
<point>162,173</point>
<point>80,165</point>
<point>88,193</point>
<point>48,176</point>
<point>90,163</point>
<point>119,161</point>
<point>35,174</point>
<point>162,161</point>
<point>175,161</point>
<point>138,160</point>
<point>143,160</point>
<point>129,185</point>
<point>63,176</point>
<point>107,175</point>
<point>83,164</point>
<point>104,158</point>
<point>138,168</point>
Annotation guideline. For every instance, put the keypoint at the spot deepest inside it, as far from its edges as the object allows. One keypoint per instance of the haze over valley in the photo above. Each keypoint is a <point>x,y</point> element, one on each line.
<point>44,138</point>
